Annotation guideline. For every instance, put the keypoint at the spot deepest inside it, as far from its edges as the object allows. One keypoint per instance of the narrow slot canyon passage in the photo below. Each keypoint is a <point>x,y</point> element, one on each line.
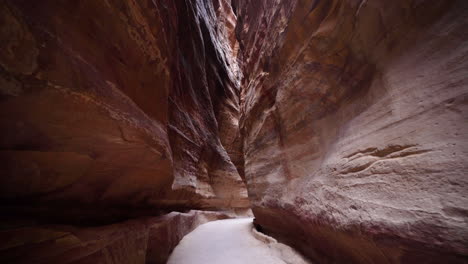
<point>232,241</point>
<point>154,131</point>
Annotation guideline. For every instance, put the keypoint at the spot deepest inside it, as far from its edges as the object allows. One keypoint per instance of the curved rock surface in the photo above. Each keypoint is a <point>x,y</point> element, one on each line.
<point>119,105</point>
<point>345,119</point>
<point>354,126</point>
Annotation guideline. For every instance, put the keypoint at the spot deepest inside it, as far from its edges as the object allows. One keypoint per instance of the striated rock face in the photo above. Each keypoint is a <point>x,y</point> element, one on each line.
<point>354,126</point>
<point>144,240</point>
<point>346,119</point>
<point>204,105</point>
<point>119,105</point>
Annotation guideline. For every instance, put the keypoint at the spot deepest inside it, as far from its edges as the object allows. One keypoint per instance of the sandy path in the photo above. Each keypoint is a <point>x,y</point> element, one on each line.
<point>231,242</point>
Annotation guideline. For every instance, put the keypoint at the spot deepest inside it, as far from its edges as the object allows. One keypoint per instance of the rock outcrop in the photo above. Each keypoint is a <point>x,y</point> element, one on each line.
<point>143,240</point>
<point>119,106</point>
<point>354,127</point>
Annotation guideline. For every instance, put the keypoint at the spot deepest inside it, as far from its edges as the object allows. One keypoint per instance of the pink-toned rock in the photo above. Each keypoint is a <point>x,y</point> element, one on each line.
<point>346,119</point>
<point>354,127</point>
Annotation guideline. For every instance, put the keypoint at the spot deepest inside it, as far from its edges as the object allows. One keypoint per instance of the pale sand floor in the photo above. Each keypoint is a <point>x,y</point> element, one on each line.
<point>232,241</point>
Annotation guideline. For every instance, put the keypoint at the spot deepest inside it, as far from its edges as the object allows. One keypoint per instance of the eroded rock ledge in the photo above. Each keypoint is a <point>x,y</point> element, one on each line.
<point>143,240</point>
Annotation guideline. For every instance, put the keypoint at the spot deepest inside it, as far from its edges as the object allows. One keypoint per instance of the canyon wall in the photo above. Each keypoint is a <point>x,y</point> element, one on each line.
<point>113,112</point>
<point>354,126</point>
<point>346,119</point>
<point>112,108</point>
<point>142,240</point>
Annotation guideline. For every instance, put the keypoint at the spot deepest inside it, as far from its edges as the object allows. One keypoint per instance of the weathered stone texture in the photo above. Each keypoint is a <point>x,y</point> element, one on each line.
<point>354,126</point>
<point>110,104</point>
<point>142,240</point>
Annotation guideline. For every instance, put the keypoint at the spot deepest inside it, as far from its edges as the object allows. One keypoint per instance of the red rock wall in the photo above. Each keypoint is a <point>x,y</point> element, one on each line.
<point>354,126</point>
<point>118,104</point>
<point>143,240</point>
<point>347,120</point>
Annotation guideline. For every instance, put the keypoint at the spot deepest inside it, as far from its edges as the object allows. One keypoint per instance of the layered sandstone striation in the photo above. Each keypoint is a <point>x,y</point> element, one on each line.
<point>346,119</point>
<point>119,105</point>
<point>354,127</point>
<point>112,110</point>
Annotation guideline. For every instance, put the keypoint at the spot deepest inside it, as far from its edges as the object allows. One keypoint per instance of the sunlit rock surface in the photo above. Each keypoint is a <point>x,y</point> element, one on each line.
<point>354,126</point>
